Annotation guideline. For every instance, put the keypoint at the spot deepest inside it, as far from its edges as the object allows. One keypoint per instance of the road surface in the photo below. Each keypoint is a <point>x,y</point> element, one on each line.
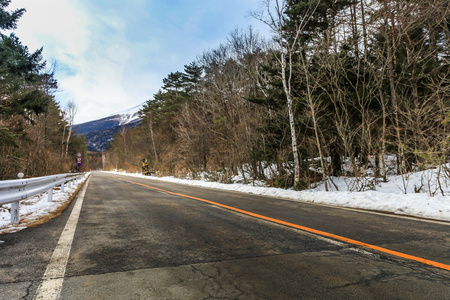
<point>134,238</point>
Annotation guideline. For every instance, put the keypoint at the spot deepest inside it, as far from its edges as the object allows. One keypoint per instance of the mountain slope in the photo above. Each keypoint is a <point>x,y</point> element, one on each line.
<point>100,132</point>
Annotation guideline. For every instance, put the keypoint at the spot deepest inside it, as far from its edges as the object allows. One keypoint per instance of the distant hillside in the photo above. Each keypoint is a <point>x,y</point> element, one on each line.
<point>100,132</point>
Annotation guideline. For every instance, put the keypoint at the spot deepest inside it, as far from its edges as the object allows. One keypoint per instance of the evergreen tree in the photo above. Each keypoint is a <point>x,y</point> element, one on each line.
<point>31,123</point>
<point>174,82</point>
<point>192,77</point>
<point>8,20</point>
<point>20,80</point>
<point>20,77</point>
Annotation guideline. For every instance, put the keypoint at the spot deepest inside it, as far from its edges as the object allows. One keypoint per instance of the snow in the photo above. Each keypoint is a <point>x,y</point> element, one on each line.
<point>397,196</point>
<point>36,207</point>
<point>387,196</point>
<point>129,115</point>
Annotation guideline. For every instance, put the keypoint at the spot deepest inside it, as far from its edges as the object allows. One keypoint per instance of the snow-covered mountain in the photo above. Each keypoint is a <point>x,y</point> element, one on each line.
<point>129,115</point>
<point>100,132</point>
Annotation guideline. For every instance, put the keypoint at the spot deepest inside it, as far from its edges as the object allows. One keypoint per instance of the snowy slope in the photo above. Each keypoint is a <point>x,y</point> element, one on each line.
<point>100,132</point>
<point>127,116</point>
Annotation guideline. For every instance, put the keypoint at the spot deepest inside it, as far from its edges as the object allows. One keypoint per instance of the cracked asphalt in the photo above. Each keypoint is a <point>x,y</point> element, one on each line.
<point>132,242</point>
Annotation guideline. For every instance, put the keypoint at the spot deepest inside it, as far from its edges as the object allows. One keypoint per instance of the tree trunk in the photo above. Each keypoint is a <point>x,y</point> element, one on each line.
<point>287,90</point>
<point>150,125</point>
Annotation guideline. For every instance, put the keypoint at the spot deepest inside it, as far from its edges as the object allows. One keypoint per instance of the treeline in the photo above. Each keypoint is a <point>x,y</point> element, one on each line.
<point>35,135</point>
<point>341,87</point>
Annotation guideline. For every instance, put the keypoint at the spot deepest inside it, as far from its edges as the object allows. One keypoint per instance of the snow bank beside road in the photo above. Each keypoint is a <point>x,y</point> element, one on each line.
<point>35,208</point>
<point>388,197</point>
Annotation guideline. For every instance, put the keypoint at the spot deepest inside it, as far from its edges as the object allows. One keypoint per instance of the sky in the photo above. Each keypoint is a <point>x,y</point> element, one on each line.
<point>111,55</point>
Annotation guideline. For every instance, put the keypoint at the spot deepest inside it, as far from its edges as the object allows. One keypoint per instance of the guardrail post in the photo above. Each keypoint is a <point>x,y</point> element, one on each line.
<point>13,191</point>
<point>50,195</point>
<point>15,212</point>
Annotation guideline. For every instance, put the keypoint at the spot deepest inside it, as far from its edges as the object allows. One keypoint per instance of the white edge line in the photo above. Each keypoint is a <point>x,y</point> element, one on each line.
<point>52,281</point>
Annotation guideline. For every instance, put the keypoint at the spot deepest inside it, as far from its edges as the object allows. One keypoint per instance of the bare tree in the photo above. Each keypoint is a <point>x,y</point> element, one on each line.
<point>273,15</point>
<point>69,114</point>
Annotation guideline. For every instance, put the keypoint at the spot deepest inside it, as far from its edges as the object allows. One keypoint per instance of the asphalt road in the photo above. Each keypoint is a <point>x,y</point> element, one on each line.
<point>134,242</point>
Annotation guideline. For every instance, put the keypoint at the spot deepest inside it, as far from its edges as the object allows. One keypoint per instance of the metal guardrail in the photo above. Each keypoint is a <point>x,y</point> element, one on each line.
<point>13,191</point>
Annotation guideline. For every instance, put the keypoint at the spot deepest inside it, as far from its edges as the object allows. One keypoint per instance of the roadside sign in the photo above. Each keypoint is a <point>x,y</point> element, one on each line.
<point>79,159</point>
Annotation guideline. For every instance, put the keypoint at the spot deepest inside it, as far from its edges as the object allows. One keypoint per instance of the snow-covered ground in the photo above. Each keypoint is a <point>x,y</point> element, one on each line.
<point>36,207</point>
<point>386,196</point>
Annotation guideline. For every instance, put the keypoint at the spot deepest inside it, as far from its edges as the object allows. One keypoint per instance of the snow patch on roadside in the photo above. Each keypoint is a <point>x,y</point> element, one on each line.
<point>388,197</point>
<point>36,207</point>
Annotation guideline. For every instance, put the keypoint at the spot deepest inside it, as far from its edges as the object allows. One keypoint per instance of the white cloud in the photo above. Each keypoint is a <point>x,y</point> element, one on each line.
<point>90,52</point>
<point>57,23</point>
<point>113,55</point>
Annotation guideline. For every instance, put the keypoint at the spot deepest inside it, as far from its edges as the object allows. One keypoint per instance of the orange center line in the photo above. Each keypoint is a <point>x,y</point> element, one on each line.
<point>307,229</point>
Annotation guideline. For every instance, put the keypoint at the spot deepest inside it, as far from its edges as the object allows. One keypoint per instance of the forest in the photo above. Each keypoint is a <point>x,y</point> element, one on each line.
<point>351,88</point>
<point>35,132</point>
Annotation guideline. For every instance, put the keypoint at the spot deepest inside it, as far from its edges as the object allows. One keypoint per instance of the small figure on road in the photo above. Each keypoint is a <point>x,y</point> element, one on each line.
<point>145,167</point>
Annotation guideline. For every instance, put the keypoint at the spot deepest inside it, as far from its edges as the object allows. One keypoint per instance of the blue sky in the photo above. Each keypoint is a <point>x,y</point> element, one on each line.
<point>112,55</point>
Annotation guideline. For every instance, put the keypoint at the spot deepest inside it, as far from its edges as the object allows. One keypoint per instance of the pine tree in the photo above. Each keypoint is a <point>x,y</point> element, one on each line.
<point>24,93</point>
<point>192,77</point>
<point>8,20</point>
